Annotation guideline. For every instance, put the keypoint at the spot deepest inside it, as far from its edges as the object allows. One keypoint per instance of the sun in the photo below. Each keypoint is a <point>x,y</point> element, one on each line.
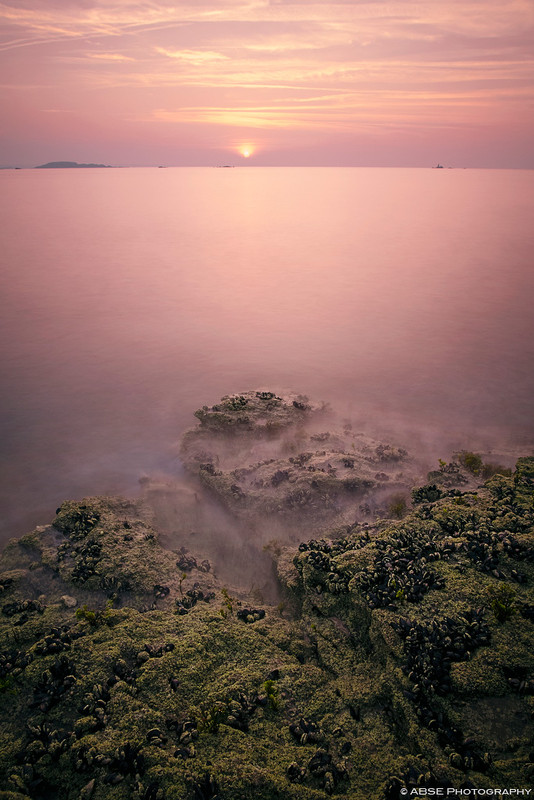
<point>246,150</point>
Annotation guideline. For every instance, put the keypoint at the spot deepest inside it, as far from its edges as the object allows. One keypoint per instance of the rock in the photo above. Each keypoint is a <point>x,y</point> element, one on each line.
<point>319,484</point>
<point>69,601</point>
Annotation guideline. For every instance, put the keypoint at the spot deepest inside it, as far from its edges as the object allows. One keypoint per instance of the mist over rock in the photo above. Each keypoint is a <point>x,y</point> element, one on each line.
<point>284,456</point>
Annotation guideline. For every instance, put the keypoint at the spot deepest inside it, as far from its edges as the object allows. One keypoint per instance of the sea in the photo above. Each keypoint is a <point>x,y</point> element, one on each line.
<point>131,297</point>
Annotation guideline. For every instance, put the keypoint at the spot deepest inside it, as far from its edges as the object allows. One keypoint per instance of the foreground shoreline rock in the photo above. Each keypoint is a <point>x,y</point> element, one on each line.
<point>401,656</point>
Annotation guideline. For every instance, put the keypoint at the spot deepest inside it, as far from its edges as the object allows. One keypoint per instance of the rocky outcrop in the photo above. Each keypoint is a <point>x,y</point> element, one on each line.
<point>261,453</point>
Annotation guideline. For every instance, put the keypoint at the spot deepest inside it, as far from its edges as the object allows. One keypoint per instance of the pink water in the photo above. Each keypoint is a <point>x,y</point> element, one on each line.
<point>133,296</point>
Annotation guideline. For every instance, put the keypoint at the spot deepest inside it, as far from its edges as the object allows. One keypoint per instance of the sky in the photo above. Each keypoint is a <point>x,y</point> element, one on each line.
<point>268,82</point>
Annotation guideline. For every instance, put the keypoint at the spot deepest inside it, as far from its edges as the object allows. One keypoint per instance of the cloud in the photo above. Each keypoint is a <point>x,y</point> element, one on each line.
<point>365,21</point>
<point>110,57</point>
<point>192,56</point>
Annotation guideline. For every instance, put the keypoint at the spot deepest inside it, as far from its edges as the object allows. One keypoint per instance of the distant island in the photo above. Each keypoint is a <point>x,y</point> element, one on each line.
<point>71,165</point>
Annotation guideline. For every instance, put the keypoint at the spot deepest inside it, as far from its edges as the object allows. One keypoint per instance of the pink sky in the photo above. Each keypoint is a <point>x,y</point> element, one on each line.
<point>297,83</point>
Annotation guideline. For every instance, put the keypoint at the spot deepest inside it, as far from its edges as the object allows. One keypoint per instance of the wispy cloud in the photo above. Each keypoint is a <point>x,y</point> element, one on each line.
<point>344,111</point>
<point>192,56</point>
<point>110,57</point>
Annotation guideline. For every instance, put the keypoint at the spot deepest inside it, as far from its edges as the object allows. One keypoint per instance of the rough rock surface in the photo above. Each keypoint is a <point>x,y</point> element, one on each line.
<point>277,455</point>
<point>400,658</point>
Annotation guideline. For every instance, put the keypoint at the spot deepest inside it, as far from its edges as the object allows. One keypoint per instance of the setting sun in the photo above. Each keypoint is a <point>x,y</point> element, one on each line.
<point>246,150</point>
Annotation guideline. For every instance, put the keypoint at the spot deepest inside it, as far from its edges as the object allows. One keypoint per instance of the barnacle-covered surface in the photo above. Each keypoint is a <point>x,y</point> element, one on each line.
<point>401,656</point>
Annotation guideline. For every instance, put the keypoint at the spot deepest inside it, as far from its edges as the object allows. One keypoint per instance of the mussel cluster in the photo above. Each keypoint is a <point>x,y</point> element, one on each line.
<point>301,459</point>
<point>327,576</point>
<point>186,733</point>
<point>160,591</point>
<point>86,555</point>
<point>150,792</point>
<point>59,638</point>
<point>269,396</point>
<point>25,780</point>
<point>482,549</point>
<point>279,477</point>
<point>209,467</point>
<point>240,710</point>
<point>156,738</point>
<point>321,767</point>
<point>522,683</point>
<point>94,706</point>
<point>122,671</point>
<point>87,558</point>
<point>188,562</point>
<point>53,684</point>
<point>388,452</point>
<point>206,788</point>
<point>487,533</point>
<point>157,652</point>
<point>408,783</point>
<point>12,662</point>
<point>23,607</point>
<point>153,651</point>
<point>321,555</point>
<point>305,732</point>
<point>426,494</point>
<point>43,741</point>
<point>463,753</point>
<point>399,570</point>
<point>76,520</point>
<point>310,498</point>
<point>125,761</point>
<point>516,549</point>
<point>431,650</point>
<point>191,598</point>
<point>483,541</point>
<point>250,614</point>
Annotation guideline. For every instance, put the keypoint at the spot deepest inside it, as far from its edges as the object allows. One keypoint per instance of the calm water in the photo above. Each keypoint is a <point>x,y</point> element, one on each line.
<point>131,297</point>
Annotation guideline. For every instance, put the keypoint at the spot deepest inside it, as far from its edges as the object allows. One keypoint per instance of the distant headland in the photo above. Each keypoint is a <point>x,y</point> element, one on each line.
<point>71,165</point>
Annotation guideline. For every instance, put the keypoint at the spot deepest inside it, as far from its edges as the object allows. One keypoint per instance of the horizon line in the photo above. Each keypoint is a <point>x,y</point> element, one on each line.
<point>89,166</point>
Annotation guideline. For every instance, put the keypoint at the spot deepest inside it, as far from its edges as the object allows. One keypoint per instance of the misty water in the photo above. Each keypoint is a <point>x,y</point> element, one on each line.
<point>133,296</point>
